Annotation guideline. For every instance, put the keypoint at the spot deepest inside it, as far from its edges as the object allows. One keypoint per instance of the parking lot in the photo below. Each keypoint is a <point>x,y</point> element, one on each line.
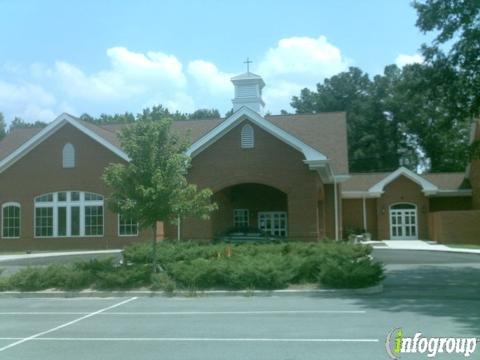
<point>293,327</point>
<point>437,294</point>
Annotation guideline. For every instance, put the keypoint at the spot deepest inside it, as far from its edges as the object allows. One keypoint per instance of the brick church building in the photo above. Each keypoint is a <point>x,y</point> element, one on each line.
<point>284,174</point>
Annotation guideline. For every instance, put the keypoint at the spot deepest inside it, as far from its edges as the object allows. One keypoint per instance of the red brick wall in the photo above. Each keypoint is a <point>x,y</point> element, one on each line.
<point>352,210</point>
<point>402,190</point>
<point>475,173</point>
<point>40,171</point>
<point>460,227</point>
<point>271,162</point>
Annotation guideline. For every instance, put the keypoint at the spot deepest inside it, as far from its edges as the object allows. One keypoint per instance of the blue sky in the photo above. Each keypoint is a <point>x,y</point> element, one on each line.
<point>116,56</point>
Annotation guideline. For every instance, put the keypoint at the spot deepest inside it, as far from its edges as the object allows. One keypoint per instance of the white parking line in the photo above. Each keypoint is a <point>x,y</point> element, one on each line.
<point>163,313</point>
<point>33,337</point>
<point>313,340</point>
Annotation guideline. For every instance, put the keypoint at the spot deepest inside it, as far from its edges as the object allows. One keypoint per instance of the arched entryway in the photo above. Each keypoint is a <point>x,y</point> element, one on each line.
<point>251,205</point>
<point>403,221</point>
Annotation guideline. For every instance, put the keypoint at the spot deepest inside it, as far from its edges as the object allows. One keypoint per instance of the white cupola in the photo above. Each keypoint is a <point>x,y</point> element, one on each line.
<point>248,92</point>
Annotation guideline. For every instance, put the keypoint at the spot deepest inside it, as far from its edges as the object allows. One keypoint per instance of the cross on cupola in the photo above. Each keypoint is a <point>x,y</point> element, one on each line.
<point>248,62</point>
<point>248,90</point>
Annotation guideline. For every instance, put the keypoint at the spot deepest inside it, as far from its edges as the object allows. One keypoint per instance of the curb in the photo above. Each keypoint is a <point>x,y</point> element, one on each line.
<point>452,251</point>
<point>377,289</point>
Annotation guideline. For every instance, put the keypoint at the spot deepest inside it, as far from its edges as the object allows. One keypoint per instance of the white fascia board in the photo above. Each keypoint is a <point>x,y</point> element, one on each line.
<point>98,138</point>
<point>47,131</point>
<point>216,133</point>
<point>427,187</point>
<point>358,195</point>
<point>452,193</point>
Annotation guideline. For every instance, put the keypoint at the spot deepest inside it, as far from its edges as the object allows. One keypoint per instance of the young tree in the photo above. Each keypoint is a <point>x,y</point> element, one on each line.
<point>152,187</point>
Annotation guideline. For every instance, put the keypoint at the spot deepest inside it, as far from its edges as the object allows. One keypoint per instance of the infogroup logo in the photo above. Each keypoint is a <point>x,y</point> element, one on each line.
<point>397,343</point>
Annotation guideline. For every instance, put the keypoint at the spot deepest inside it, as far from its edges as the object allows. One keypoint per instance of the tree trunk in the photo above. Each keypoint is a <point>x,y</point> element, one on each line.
<point>154,248</point>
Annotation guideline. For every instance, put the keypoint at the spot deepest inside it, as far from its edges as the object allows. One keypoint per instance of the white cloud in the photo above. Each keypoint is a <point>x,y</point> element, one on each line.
<point>208,77</point>
<point>27,101</point>
<point>133,80</point>
<point>296,63</point>
<point>405,59</point>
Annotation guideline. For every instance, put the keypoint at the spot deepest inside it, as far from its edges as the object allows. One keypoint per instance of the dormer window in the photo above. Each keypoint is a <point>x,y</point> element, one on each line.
<point>68,156</point>
<point>247,137</point>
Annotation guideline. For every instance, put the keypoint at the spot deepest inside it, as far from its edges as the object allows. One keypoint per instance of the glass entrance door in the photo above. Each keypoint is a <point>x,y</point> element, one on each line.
<point>403,222</point>
<point>273,222</point>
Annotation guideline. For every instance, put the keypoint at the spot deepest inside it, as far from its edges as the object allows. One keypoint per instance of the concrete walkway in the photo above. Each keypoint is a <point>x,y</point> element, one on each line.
<point>418,245</point>
<point>55,254</point>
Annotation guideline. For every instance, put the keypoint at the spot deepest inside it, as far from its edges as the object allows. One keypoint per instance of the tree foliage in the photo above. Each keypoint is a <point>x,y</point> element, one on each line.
<point>373,131</point>
<point>152,187</point>
<point>456,45</point>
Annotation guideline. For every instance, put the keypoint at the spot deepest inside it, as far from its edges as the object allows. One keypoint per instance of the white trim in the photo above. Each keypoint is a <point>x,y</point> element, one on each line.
<point>364,211</point>
<point>118,229</point>
<point>245,113</point>
<point>403,225</point>
<point>356,194</point>
<point>271,215</point>
<point>50,129</point>
<point>427,187</point>
<point>68,203</point>
<point>13,203</point>
<point>453,193</point>
<point>246,213</point>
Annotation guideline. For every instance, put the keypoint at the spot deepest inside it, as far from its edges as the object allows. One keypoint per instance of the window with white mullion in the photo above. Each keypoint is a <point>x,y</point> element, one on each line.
<point>63,214</point>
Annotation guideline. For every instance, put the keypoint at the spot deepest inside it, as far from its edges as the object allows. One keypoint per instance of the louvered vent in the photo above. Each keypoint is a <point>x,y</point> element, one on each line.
<point>248,139</point>
<point>68,156</point>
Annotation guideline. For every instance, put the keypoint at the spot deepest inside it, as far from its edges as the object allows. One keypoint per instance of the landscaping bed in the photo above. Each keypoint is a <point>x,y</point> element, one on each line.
<point>194,266</point>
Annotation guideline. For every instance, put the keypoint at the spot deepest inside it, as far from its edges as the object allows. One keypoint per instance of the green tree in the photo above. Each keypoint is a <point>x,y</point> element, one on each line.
<point>205,114</point>
<point>432,123</point>
<point>19,123</point>
<point>3,126</point>
<point>456,45</point>
<point>373,138</point>
<point>152,187</point>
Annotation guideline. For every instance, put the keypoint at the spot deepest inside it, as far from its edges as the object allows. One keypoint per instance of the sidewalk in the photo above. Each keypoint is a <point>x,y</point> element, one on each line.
<point>418,245</point>
<point>55,253</point>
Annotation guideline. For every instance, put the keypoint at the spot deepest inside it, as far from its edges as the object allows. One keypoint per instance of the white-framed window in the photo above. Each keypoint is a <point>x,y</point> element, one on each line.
<point>68,213</point>
<point>273,222</point>
<point>68,156</point>
<point>247,137</point>
<point>11,220</point>
<point>127,226</point>
<point>241,218</point>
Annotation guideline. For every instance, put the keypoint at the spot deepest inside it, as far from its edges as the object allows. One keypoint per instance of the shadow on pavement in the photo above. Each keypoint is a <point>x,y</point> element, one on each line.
<point>438,291</point>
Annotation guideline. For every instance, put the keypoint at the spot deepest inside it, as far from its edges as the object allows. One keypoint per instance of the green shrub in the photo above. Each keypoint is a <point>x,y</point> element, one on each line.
<point>52,276</point>
<point>350,273</point>
<point>123,277</point>
<point>163,282</point>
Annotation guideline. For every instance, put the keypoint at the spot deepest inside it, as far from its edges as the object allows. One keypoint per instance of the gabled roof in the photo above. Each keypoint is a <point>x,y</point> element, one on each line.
<point>240,115</point>
<point>36,136</point>
<point>326,133</point>
<point>427,187</point>
<point>367,184</point>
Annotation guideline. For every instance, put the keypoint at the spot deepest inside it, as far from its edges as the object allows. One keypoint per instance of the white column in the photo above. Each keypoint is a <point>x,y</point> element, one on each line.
<point>364,214</point>
<point>335,203</point>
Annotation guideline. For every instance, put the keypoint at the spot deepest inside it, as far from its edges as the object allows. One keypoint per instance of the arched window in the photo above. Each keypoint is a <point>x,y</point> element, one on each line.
<point>68,156</point>
<point>247,137</point>
<point>11,220</point>
<point>69,213</point>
